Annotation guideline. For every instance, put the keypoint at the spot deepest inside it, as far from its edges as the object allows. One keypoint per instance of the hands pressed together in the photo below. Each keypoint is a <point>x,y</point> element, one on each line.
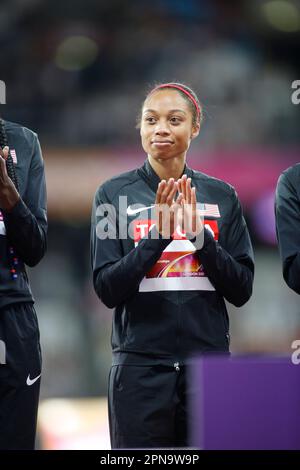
<point>9,196</point>
<point>182,211</point>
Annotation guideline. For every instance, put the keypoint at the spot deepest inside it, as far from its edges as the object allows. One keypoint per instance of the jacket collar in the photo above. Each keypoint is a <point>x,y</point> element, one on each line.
<point>152,179</point>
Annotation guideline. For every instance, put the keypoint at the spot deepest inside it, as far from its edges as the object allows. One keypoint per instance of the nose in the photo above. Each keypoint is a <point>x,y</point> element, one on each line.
<point>162,128</point>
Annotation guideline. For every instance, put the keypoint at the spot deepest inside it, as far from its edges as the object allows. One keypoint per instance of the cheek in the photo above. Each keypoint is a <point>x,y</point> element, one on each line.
<point>185,138</point>
<point>144,139</point>
<point>144,135</point>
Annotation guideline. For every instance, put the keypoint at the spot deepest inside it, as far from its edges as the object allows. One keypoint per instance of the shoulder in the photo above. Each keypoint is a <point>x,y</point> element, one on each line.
<point>288,185</point>
<point>214,184</point>
<point>112,187</point>
<point>290,175</point>
<point>17,131</point>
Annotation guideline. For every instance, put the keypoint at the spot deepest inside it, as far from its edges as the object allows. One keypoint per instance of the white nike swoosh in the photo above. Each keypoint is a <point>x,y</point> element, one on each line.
<point>136,211</point>
<point>30,381</point>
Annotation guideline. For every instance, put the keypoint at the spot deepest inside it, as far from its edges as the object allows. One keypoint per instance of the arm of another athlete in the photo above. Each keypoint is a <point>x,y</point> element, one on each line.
<point>26,218</point>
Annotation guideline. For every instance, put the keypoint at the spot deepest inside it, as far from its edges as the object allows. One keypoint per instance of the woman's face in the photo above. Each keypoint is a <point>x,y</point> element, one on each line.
<point>166,125</point>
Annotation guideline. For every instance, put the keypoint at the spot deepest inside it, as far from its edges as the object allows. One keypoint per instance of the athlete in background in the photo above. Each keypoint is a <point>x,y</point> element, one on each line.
<point>167,289</point>
<point>23,227</point>
<point>287,211</point>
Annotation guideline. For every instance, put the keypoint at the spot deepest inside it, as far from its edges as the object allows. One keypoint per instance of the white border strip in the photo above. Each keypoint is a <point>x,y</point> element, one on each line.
<point>176,283</point>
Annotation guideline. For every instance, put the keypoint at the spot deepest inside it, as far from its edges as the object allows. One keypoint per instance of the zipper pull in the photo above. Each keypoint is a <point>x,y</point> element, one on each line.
<point>176,365</point>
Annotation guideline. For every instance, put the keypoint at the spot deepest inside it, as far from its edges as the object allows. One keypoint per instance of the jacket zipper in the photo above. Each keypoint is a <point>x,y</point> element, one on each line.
<point>176,364</point>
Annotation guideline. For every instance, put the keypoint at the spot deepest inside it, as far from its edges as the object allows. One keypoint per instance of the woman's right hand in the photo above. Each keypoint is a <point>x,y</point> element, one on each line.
<point>166,208</point>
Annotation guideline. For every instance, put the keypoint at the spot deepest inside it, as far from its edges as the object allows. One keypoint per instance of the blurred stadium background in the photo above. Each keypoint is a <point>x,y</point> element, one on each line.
<point>76,72</point>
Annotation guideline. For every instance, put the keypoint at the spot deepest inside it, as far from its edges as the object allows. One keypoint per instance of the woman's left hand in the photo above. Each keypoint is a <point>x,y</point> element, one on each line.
<point>190,219</point>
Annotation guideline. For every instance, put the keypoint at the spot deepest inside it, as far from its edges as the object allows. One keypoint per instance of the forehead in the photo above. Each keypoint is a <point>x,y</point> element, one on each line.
<point>165,100</point>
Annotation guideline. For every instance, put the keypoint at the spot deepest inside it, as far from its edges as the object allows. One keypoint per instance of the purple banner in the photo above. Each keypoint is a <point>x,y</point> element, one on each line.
<point>245,403</point>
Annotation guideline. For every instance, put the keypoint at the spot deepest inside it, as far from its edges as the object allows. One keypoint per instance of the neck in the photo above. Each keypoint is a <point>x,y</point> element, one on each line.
<point>166,169</point>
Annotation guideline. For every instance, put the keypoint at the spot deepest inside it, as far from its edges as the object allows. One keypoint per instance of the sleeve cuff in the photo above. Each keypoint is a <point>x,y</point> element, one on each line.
<point>154,235</point>
<point>19,210</point>
<point>208,240</point>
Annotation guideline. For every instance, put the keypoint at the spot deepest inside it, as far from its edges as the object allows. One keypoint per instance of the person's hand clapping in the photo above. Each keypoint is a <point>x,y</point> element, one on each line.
<point>189,217</point>
<point>9,196</point>
<point>166,208</point>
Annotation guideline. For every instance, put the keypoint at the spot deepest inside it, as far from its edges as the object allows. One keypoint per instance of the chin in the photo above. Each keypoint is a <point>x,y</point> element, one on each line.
<point>162,156</point>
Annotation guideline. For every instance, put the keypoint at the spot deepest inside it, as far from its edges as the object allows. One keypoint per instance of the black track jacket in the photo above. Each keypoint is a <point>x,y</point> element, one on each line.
<point>169,298</point>
<point>287,210</point>
<point>23,230</point>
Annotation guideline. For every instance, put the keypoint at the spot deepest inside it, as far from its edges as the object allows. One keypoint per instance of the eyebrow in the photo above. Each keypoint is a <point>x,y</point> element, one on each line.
<point>171,111</point>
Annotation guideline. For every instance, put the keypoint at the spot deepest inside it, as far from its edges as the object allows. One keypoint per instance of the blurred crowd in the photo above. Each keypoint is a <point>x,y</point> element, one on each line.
<point>77,71</point>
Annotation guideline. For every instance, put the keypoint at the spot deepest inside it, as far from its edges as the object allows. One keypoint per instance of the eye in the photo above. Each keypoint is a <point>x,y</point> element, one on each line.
<point>150,120</point>
<point>175,120</point>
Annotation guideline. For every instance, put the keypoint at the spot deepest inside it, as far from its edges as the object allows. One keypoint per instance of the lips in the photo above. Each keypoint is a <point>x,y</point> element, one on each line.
<point>162,142</point>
